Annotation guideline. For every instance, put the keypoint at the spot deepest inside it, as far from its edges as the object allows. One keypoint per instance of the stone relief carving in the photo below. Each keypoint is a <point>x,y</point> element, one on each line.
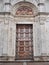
<point>24,10</point>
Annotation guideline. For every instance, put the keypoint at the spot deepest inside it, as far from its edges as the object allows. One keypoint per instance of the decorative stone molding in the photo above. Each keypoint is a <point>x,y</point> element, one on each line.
<point>42,19</point>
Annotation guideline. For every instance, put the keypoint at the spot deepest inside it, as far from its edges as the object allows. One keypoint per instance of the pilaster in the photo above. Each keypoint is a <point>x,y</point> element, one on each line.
<point>7,5</point>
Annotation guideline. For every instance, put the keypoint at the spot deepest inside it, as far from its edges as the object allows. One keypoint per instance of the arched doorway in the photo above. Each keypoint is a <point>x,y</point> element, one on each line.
<point>24,32</point>
<point>24,8</point>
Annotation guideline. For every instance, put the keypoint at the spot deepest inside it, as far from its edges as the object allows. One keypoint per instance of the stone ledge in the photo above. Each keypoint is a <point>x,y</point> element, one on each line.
<point>41,58</point>
<point>7,58</point>
<point>3,13</point>
<point>36,59</point>
<point>43,13</point>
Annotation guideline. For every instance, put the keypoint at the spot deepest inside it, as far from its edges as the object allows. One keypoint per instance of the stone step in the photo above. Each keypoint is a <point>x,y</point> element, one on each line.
<point>22,63</point>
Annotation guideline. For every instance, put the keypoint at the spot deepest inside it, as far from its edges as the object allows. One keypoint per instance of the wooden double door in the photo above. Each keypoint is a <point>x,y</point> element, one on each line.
<point>24,41</point>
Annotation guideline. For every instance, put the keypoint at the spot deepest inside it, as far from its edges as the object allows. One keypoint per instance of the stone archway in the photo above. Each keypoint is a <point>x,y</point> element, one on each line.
<point>26,8</point>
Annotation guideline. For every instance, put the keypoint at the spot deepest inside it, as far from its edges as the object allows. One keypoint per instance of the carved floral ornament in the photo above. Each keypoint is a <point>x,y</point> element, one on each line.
<point>24,10</point>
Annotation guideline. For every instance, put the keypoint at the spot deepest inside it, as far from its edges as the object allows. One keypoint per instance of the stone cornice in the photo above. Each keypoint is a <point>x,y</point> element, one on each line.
<point>7,3</point>
<point>40,4</point>
<point>43,13</point>
<point>30,16</point>
<point>3,13</point>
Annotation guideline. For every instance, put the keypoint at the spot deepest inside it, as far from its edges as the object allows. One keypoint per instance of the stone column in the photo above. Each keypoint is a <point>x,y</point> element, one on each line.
<point>37,40</point>
<point>1,37</point>
<point>7,6</point>
<point>11,40</point>
<point>42,20</point>
<point>43,40</point>
<point>5,40</point>
<point>5,37</point>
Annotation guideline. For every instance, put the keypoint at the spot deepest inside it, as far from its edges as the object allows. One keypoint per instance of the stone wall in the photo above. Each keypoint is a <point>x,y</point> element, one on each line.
<point>8,34</point>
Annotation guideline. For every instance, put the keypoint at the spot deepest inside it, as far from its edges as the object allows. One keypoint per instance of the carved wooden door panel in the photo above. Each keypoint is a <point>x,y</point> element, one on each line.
<point>24,41</point>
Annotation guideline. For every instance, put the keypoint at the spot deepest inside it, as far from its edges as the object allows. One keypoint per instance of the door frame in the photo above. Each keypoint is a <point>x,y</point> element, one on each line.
<point>32,41</point>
